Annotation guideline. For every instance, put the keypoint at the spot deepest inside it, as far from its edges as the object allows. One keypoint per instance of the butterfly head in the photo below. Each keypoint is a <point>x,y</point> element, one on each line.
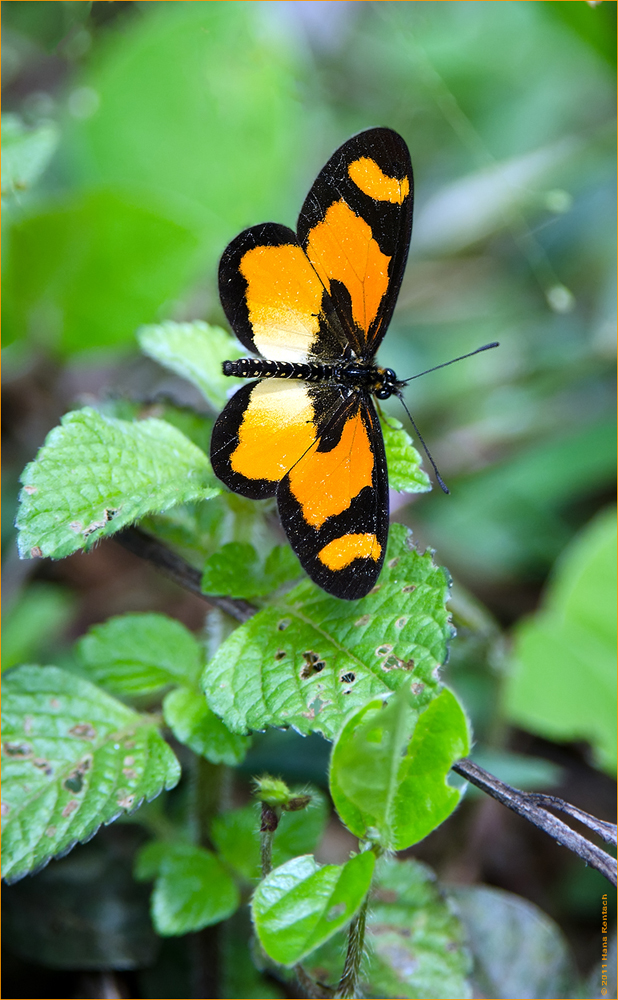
<point>387,384</point>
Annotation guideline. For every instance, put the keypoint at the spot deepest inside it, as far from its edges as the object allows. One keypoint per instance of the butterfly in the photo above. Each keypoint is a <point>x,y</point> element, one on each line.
<point>314,305</point>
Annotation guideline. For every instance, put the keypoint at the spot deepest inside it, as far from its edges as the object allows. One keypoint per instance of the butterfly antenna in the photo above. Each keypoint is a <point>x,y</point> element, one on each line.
<point>439,478</point>
<point>445,364</point>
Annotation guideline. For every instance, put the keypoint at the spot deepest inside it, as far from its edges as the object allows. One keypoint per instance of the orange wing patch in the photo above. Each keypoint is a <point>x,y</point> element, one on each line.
<point>342,248</point>
<point>372,181</point>
<point>284,297</point>
<point>326,482</point>
<point>341,552</point>
<point>277,428</point>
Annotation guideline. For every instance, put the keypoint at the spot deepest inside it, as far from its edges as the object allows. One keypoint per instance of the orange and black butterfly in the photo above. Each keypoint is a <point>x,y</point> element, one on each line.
<point>314,306</point>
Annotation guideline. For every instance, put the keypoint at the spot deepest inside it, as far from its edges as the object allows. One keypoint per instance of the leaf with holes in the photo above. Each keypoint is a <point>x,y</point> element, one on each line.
<point>389,768</point>
<point>74,758</point>
<point>140,653</point>
<point>309,659</point>
<point>301,905</point>
<point>195,351</point>
<point>94,475</point>
<point>403,460</point>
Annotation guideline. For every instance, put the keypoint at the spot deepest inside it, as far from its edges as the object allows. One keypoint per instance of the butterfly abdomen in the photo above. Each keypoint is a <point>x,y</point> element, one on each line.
<point>382,381</point>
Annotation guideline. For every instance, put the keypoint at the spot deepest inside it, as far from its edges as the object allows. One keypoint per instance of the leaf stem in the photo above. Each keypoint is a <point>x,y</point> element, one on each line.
<point>348,984</point>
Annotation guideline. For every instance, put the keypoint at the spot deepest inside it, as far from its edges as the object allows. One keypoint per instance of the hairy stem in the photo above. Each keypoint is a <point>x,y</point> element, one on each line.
<point>348,984</point>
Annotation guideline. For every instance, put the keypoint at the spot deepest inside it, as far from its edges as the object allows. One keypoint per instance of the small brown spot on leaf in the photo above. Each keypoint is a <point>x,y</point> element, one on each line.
<point>76,526</point>
<point>51,831</point>
<point>393,562</point>
<point>129,744</point>
<point>363,620</point>
<point>54,703</point>
<point>22,750</point>
<point>417,687</point>
<point>336,911</point>
<point>408,589</point>
<point>400,622</point>
<point>283,624</point>
<point>83,731</point>
<point>30,489</point>
<point>130,773</point>
<point>36,552</point>
<point>280,654</point>
<point>43,765</point>
<point>129,761</point>
<point>5,809</point>
<point>126,801</point>
<point>28,724</point>
<point>70,807</point>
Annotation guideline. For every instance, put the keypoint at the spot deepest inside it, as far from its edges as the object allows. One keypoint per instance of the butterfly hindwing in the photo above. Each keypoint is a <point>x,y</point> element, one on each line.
<point>333,503</point>
<point>355,227</point>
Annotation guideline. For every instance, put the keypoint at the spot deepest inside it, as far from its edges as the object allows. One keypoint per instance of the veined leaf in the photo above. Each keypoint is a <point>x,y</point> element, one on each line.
<point>300,905</point>
<point>74,758</point>
<point>94,475</point>
<point>140,653</point>
<point>236,570</point>
<point>403,460</point>
<point>309,659</point>
<point>193,723</point>
<point>195,351</point>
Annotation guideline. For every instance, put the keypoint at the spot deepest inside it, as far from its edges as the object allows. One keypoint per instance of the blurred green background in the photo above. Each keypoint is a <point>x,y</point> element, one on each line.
<point>139,138</point>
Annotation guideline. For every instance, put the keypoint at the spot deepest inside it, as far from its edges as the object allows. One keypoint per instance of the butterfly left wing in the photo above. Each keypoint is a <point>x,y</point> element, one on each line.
<point>355,227</point>
<point>333,503</point>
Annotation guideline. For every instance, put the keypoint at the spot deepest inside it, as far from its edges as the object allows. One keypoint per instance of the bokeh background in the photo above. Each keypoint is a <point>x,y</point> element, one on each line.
<point>138,139</point>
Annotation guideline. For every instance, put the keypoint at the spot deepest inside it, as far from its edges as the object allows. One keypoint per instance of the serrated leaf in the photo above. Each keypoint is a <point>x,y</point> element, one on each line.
<point>415,943</point>
<point>236,835</point>
<point>309,659</point>
<point>94,475</point>
<point>236,570</point>
<point>403,460</point>
<point>389,767</point>
<point>74,758</point>
<point>25,152</point>
<point>518,950</point>
<point>137,654</point>
<point>562,682</point>
<point>195,351</point>
<point>193,723</point>
<point>300,905</point>
<point>192,888</point>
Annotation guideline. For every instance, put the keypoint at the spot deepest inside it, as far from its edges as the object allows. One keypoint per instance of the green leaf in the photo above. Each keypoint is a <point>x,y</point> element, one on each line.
<point>34,622</point>
<point>563,671</point>
<point>74,758</point>
<point>403,460</point>
<point>389,768</point>
<point>236,570</point>
<point>113,263</point>
<point>236,836</point>
<point>300,905</point>
<point>192,889</point>
<point>193,723</point>
<point>309,658</point>
<point>415,943</point>
<point>94,475</point>
<point>518,950</point>
<point>25,152</point>
<point>195,351</point>
<point>140,653</point>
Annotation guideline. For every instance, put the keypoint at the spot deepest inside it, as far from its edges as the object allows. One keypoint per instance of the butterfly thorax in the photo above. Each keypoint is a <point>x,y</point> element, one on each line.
<point>353,374</point>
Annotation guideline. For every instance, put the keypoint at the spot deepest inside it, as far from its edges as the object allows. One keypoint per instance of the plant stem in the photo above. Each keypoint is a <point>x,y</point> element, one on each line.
<point>348,984</point>
<point>268,826</point>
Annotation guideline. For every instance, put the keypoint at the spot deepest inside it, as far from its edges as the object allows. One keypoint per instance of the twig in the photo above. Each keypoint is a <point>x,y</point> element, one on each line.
<point>606,831</point>
<point>180,571</point>
<point>526,804</point>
